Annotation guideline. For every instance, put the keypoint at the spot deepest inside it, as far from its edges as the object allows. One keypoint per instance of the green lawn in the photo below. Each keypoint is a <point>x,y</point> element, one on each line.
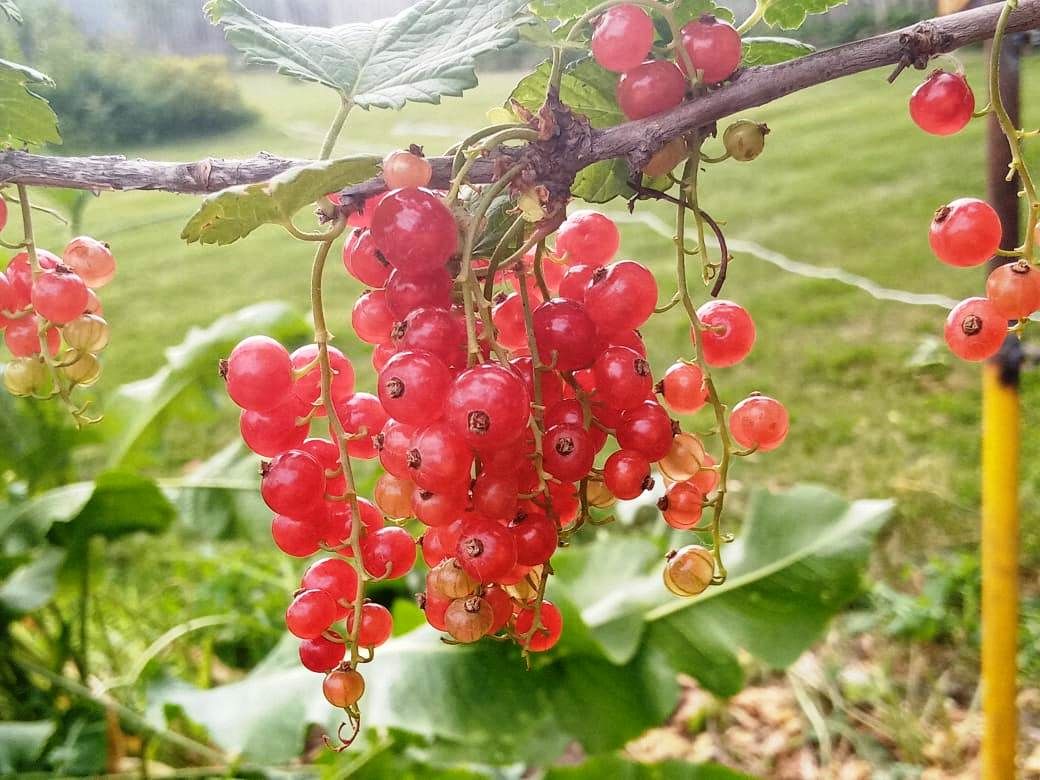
<point>846,180</point>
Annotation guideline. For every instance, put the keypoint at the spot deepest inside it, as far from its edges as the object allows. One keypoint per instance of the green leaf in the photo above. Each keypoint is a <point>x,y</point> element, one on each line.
<point>790,14</point>
<point>140,407</point>
<point>617,768</point>
<point>30,587</point>
<point>591,91</point>
<point>21,743</point>
<point>25,117</point>
<point>767,50</point>
<point>564,10</point>
<point>121,503</point>
<point>234,213</point>
<point>688,10</point>
<point>426,51</point>
<point>10,9</point>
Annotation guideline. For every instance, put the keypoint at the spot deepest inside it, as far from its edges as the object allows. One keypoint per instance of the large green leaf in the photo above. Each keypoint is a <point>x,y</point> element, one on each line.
<point>424,52</point>
<point>31,585</point>
<point>138,408</point>
<point>591,91</point>
<point>234,213</point>
<point>790,14</point>
<point>21,743</point>
<point>25,117</point>
<point>768,50</point>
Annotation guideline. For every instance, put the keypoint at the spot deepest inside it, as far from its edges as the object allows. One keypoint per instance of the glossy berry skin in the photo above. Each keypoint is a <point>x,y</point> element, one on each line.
<point>435,606</point>
<point>942,104</point>
<point>975,330</point>
<point>728,333</point>
<point>320,654</point>
<point>91,259</point>
<point>392,444</point>
<point>440,332</point>
<point>501,607</point>
<point>576,281</point>
<point>377,625</point>
<point>570,411</point>
<point>438,544</point>
<point>413,386</point>
<point>388,553</point>
<point>536,538</point>
<point>408,291</point>
<point>508,316</point>
<point>495,495</point>
<point>714,48</point>
<point>1014,290</point>
<point>310,613</point>
<point>404,169</point>
<point>439,459</point>
<point>371,318</point>
<point>327,454</point>
<point>343,688</point>
<point>651,88</point>
<point>336,577</point>
<point>59,296</point>
<point>468,619</point>
<point>627,474</point>
<point>646,429</point>
<point>685,457</point>
<point>363,261</point>
<point>567,451</point>
<point>269,433</point>
<point>258,374</point>
<point>437,509</point>
<point>308,387</point>
<point>22,337</point>
<point>393,496</point>
<point>486,549</point>
<point>293,482</point>
<point>683,388</point>
<point>622,38</point>
<point>488,406</point>
<point>551,383</point>
<point>362,411</point>
<point>341,522</point>
<point>549,630</point>
<point>682,505</point>
<point>297,538</point>
<point>563,327</point>
<point>414,230</point>
<point>588,237</point>
<point>622,377</point>
<point>965,232</point>
<point>760,422</point>
<point>689,570</point>
<point>621,296</point>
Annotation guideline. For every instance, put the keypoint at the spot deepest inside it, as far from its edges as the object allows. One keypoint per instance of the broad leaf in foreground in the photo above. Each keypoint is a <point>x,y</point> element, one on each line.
<point>767,50</point>
<point>21,743</point>
<point>426,51</point>
<point>234,213</point>
<point>790,14</point>
<point>25,117</point>
<point>612,676</point>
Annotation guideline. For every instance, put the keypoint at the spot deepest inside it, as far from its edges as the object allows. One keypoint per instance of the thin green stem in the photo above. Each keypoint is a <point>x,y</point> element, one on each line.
<point>335,128</point>
<point>761,6</point>
<point>474,154</point>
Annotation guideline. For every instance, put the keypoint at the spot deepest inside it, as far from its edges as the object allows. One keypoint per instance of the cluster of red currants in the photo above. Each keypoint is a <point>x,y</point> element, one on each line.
<point>967,232</point>
<point>54,304</point>
<point>623,39</point>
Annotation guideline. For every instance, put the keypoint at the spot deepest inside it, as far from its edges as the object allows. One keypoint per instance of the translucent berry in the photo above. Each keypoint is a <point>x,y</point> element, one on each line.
<point>321,654</point>
<point>371,318</point>
<point>450,580</point>
<point>413,386</point>
<point>486,549</point>
<point>682,505</point>
<point>647,429</point>
<point>550,626</point>
<point>587,237</point>
<point>683,388</point>
<point>760,422</point>
<point>363,261</point>
<point>307,388</point>
<point>336,577</point>
<point>622,38</point>
<point>469,619</point>
<point>689,570</point>
<point>362,412</point>
<point>627,474</point>
<point>311,612</point>
<point>87,333</point>
<point>408,291</point>
<point>563,331</point>
<point>567,452</point>
<point>943,103</point>
<point>59,296</point>
<point>377,625</point>
<point>439,459</point>
<point>258,374</point>
<point>623,377</point>
<point>343,688</point>
<point>975,330</point>
<point>1014,290</point>
<point>965,232</point>
<point>536,538</point>
<point>91,259</point>
<point>406,169</point>
<point>414,229</point>
<point>651,88</point>
<point>728,332</point>
<point>388,553</point>
<point>293,481</point>
<point>714,48</point>
<point>621,296</point>
<point>488,406</point>
<point>745,140</point>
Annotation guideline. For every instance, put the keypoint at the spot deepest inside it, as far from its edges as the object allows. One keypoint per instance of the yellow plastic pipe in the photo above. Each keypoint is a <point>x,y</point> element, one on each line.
<point>1000,447</point>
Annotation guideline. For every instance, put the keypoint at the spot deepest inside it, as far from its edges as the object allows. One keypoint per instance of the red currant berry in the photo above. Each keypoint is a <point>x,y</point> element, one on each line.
<point>621,296</point>
<point>563,331</point>
<point>393,443</point>
<point>587,237</point>
<point>646,429</point>
<point>91,259</point>
<point>371,318</point>
<point>439,459</point>
<point>310,613</point>
<point>413,386</point>
<point>377,625</point>
<point>258,374</point>
<point>22,337</point>
<point>362,411</point>
<point>321,654</point>
<point>622,377</point>
<point>714,48</point>
<point>343,688</point>
<point>298,538</point>
<point>308,387</point>
<point>388,553</point>
<point>965,232</point>
<point>363,261</point>
<point>359,214</point>
<point>486,549</point>
<point>501,606</point>
<point>627,474</point>
<point>760,422</point>
<point>437,509</point>
<point>550,383</point>
<point>570,412</point>
<point>59,296</point>
<point>439,543</point>
<point>682,505</point>
<point>406,292</point>
<point>269,433</point>
<point>728,331</point>
<point>336,577</point>
<point>488,406</point>
<point>440,332</point>
<point>975,330</point>
<point>622,38</point>
<point>550,626</point>
<point>468,619</point>
<point>567,452</point>
<point>689,570</point>
<point>627,338</point>
<point>576,281</point>
<point>406,169</point>
<point>293,482</point>
<point>495,495</point>
<point>942,104</point>
<point>380,354</point>
<point>508,316</point>
<point>1014,290</point>
<point>435,606</point>
<point>650,88</point>
<point>414,230</point>
<point>393,496</point>
<point>683,388</point>
<point>536,538</point>
<point>327,454</point>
